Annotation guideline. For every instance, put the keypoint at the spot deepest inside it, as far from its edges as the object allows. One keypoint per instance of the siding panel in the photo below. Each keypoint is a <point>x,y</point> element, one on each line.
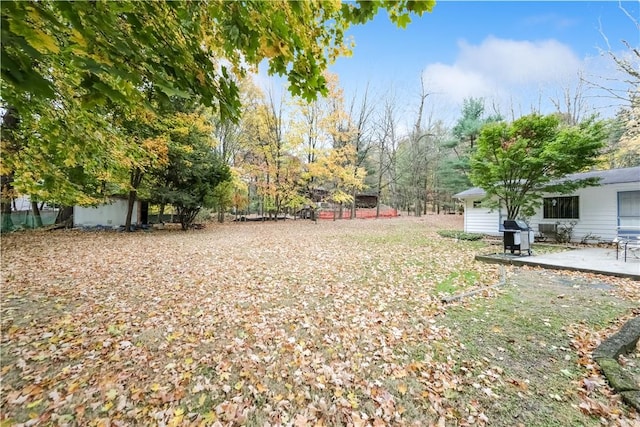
<point>480,220</point>
<point>598,213</point>
<point>112,214</point>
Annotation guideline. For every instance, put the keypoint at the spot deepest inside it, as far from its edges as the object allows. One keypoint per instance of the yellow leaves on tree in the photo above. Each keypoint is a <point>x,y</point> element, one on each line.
<point>336,171</point>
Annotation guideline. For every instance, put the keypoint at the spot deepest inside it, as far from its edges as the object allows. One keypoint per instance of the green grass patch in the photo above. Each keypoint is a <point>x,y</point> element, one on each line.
<point>457,281</point>
<point>517,359</point>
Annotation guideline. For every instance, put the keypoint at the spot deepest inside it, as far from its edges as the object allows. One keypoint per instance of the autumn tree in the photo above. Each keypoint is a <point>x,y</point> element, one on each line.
<point>145,149</point>
<point>265,151</point>
<point>415,154</point>
<point>419,157</point>
<point>571,103</point>
<point>182,47</point>
<point>230,193</point>
<point>194,170</point>
<point>628,151</point>
<point>242,151</point>
<point>273,147</point>
<point>628,146</point>
<point>337,173</point>
<point>111,52</point>
<point>66,154</point>
<point>516,162</point>
<point>319,126</point>
<point>624,143</point>
<point>10,145</point>
<point>330,131</point>
<point>623,138</point>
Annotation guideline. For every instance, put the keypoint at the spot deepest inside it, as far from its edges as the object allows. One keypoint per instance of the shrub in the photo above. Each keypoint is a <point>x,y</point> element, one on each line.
<point>564,233</point>
<point>460,235</point>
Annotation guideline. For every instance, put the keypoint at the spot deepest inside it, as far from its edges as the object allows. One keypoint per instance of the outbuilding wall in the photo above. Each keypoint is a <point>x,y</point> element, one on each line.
<point>112,214</point>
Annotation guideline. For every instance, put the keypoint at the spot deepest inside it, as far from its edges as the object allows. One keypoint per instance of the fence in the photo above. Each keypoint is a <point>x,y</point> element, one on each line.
<point>26,219</point>
<point>361,213</point>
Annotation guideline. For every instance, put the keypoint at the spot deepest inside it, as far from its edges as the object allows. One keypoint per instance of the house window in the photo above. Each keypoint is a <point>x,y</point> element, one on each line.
<point>561,207</point>
<point>629,208</point>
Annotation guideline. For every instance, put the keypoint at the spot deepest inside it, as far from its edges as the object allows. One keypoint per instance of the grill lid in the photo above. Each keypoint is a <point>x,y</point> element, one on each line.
<point>511,224</point>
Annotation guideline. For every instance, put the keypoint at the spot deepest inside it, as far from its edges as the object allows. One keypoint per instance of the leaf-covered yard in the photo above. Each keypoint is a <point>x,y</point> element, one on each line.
<point>288,323</point>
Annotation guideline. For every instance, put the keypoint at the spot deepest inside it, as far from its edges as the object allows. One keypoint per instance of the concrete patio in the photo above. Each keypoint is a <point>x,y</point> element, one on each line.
<point>590,260</point>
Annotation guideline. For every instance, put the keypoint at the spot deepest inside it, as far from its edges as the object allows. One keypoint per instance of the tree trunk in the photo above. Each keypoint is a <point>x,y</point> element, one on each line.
<point>130,205</point>
<point>353,205</point>
<point>36,214</point>
<point>379,184</point>
<point>426,195</point>
<point>5,202</point>
<point>277,205</point>
<point>134,181</point>
<point>187,216</point>
<point>65,216</point>
<point>10,144</point>
<point>161,213</point>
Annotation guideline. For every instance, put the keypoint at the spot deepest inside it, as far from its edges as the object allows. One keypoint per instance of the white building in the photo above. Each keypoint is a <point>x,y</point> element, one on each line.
<point>110,214</point>
<point>598,212</point>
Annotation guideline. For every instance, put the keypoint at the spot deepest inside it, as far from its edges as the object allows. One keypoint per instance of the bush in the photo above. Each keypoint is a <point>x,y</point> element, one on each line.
<point>460,235</point>
<point>564,233</point>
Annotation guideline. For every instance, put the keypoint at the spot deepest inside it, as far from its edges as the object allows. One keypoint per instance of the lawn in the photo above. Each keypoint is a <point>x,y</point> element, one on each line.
<point>297,323</point>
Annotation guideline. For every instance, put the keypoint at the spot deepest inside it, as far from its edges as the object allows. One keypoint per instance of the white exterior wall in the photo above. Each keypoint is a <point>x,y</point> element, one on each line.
<point>111,214</point>
<point>598,211</point>
<point>480,220</point>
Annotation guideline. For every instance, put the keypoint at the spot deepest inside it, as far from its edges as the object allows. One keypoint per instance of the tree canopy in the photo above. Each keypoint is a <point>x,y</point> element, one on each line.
<point>73,74</point>
<point>181,48</point>
<point>189,179</point>
<point>95,92</point>
<point>515,162</point>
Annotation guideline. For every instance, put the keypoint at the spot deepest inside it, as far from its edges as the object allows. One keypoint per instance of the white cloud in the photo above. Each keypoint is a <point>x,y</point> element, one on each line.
<point>504,72</point>
<point>519,62</point>
<point>458,82</point>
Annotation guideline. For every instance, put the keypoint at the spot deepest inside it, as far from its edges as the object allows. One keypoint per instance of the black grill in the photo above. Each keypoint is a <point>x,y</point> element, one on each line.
<point>516,236</point>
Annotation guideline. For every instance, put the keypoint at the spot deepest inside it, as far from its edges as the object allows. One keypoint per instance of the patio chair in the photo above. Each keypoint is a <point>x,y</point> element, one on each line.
<point>628,239</point>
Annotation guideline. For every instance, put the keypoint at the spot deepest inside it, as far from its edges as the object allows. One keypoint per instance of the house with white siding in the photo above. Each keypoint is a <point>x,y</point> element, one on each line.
<point>598,212</point>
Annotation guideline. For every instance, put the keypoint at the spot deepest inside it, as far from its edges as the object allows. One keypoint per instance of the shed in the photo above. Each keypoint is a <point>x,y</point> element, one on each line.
<point>112,213</point>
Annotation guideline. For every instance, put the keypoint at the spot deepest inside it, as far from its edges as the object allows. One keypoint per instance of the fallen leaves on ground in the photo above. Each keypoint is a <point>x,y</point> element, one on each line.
<point>597,398</point>
<point>291,323</point>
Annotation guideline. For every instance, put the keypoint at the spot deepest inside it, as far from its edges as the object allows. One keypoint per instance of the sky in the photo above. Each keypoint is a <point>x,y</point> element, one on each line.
<point>516,55</point>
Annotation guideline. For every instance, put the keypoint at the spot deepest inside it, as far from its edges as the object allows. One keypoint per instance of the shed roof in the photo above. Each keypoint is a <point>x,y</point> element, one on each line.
<point>610,176</point>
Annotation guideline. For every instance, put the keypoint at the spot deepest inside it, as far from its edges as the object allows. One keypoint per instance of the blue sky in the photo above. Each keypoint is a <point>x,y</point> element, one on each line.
<point>514,54</point>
